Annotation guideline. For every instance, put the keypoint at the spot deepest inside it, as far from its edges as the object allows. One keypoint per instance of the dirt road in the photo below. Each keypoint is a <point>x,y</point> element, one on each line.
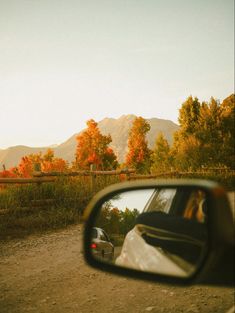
<point>46,273</point>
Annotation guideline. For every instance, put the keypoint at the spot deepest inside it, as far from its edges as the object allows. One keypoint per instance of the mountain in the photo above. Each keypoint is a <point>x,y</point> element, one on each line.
<point>119,131</point>
<point>117,128</point>
<point>11,156</point>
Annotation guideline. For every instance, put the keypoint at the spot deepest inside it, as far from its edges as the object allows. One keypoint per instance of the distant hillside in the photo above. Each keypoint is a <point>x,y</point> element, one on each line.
<point>117,128</point>
<point>11,156</point>
<point>119,131</point>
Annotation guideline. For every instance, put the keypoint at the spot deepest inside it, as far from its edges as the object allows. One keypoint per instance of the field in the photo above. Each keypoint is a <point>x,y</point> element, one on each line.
<point>32,208</point>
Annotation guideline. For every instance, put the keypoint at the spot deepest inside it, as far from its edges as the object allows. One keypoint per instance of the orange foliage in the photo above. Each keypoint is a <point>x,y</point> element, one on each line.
<point>138,155</point>
<point>46,163</point>
<point>25,168</point>
<point>56,165</point>
<point>11,173</point>
<point>93,148</point>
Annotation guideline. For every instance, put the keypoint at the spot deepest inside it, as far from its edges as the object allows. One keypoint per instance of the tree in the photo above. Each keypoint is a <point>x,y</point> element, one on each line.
<point>11,173</point>
<point>228,130</point>
<point>50,163</point>
<point>128,220</point>
<point>110,159</point>
<point>47,163</point>
<point>188,116</point>
<point>93,148</point>
<point>216,131</point>
<point>161,158</point>
<point>49,155</point>
<point>26,165</point>
<point>188,153</point>
<point>139,155</point>
<point>206,135</point>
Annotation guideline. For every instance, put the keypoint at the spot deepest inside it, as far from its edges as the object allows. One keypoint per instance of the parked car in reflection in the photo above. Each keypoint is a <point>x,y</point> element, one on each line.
<point>101,245</point>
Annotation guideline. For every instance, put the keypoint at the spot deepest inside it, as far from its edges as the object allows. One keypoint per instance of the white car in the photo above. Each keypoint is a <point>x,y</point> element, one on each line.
<point>166,240</point>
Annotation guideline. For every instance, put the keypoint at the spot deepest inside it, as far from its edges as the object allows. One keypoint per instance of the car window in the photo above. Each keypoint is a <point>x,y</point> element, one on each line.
<point>103,236</point>
<point>161,201</point>
<point>94,233</point>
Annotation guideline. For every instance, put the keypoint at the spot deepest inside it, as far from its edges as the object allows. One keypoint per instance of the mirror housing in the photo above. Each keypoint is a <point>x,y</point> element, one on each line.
<point>216,267</point>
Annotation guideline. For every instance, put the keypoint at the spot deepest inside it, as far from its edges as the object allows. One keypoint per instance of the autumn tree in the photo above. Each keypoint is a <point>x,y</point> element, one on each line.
<point>11,173</point>
<point>161,157</point>
<point>93,148</point>
<point>26,165</point>
<point>228,131</point>
<point>206,135</point>
<point>50,163</point>
<point>139,155</point>
<point>46,163</point>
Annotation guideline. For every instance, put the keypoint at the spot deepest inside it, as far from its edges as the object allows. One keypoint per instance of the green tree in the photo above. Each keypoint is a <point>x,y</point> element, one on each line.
<point>187,153</point>
<point>188,116</point>
<point>228,130</point>
<point>186,146</point>
<point>161,157</point>
<point>206,134</point>
<point>128,220</point>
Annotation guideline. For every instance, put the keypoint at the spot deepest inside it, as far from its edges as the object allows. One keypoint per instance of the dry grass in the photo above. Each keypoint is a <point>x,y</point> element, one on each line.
<point>20,215</point>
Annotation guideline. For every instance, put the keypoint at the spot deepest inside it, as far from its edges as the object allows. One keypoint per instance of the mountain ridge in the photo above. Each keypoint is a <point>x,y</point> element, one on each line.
<point>118,129</point>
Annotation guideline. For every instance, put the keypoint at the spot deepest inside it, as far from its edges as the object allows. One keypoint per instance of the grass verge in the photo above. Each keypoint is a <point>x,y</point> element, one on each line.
<point>24,209</point>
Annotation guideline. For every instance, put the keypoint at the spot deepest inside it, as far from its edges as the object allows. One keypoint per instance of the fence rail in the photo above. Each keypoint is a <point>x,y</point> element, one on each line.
<point>44,177</point>
<point>179,174</point>
<point>84,173</point>
<point>27,180</point>
<point>50,177</point>
<point>92,179</point>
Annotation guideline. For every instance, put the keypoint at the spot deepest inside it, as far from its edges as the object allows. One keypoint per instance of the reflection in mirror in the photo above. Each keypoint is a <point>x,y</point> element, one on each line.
<point>160,230</point>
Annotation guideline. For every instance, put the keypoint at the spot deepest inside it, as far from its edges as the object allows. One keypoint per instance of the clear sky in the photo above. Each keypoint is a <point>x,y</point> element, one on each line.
<point>135,199</point>
<point>63,62</point>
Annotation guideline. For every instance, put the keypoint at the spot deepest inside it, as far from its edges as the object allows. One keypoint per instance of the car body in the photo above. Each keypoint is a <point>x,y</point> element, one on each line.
<point>101,245</point>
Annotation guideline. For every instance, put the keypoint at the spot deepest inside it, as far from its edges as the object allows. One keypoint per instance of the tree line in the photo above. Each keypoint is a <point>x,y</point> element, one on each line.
<point>115,221</point>
<point>205,139</point>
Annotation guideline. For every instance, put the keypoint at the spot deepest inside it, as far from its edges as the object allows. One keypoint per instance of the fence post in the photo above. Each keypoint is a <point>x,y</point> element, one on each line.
<point>92,177</point>
<point>37,172</point>
<point>128,175</point>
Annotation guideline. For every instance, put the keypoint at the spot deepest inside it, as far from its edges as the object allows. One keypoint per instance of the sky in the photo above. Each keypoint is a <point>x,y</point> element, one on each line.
<point>63,62</point>
<point>135,199</point>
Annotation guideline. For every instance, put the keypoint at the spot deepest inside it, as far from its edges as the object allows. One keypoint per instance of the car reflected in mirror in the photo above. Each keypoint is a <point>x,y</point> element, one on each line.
<point>101,245</point>
<point>159,230</point>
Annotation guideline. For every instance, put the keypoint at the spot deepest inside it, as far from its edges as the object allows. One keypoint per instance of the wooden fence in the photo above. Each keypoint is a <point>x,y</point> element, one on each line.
<point>43,177</point>
<point>127,174</point>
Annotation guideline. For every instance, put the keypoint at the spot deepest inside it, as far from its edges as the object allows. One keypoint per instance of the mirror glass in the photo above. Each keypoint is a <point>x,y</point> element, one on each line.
<point>162,230</point>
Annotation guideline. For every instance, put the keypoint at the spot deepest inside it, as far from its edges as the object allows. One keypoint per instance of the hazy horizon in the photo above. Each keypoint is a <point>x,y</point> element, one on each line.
<point>55,144</point>
<point>64,62</point>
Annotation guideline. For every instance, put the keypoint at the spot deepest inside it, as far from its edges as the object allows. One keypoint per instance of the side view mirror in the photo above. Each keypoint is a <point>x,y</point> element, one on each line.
<point>176,231</point>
